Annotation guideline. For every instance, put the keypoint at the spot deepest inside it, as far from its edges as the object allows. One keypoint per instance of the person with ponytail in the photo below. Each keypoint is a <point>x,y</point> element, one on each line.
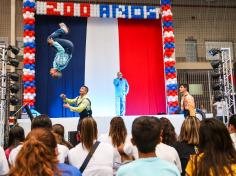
<point>101,160</point>
<point>38,157</point>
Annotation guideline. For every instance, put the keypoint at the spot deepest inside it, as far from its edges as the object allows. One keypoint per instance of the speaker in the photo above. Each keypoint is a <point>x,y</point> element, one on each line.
<point>72,137</point>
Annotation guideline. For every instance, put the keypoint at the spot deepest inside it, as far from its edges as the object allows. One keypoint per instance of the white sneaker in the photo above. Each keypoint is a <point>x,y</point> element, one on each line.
<point>64,27</point>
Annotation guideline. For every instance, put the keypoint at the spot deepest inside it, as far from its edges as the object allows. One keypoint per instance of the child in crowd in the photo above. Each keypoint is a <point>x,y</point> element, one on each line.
<point>146,135</point>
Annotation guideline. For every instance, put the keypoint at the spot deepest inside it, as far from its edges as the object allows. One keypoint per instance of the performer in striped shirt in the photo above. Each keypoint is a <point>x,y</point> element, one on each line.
<point>187,101</point>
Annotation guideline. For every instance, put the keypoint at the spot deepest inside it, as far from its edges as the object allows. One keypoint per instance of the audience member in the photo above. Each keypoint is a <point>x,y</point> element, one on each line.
<point>16,137</point>
<point>117,137</point>
<point>188,140</point>
<point>217,155</point>
<point>169,154</point>
<point>168,134</point>
<point>4,168</point>
<point>168,137</point>
<point>38,157</point>
<point>232,129</point>
<point>59,130</point>
<point>146,135</point>
<point>41,121</point>
<point>101,162</point>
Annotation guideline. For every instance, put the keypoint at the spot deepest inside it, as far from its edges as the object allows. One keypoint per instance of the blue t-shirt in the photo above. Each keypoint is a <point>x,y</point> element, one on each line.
<point>148,167</point>
<point>68,170</point>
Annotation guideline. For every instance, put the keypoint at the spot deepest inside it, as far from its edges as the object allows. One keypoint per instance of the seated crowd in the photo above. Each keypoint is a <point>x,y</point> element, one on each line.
<point>202,148</point>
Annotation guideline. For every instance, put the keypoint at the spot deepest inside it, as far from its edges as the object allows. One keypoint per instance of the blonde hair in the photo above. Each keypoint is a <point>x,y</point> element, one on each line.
<point>190,131</point>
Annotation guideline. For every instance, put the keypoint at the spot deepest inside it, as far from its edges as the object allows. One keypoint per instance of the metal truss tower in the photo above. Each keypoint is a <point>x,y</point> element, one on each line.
<point>228,81</point>
<point>3,91</point>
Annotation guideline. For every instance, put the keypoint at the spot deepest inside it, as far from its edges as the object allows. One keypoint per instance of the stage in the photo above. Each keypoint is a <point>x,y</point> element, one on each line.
<point>103,123</point>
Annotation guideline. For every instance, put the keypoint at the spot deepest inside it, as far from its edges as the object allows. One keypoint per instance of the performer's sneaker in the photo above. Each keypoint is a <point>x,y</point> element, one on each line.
<point>64,27</point>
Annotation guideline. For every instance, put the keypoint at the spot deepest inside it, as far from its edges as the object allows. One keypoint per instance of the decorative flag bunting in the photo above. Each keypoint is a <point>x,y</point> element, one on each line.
<point>97,10</point>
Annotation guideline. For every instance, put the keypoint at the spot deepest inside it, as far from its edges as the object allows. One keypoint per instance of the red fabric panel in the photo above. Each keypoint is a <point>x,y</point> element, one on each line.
<point>141,62</point>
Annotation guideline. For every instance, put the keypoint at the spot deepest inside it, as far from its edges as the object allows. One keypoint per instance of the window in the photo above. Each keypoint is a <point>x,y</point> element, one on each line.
<point>191,49</point>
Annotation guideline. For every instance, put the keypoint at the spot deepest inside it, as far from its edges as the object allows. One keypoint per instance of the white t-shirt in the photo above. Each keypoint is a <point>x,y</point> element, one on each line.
<point>101,163</point>
<point>13,154</point>
<point>4,168</point>
<point>117,158</point>
<point>219,107</point>
<point>62,153</point>
<point>233,137</point>
<point>168,153</point>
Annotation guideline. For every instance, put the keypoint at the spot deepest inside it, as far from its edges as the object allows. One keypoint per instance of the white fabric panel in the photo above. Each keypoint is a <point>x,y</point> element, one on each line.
<point>102,64</point>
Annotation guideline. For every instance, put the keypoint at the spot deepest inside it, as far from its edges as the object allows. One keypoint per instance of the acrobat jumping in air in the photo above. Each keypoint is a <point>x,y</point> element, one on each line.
<point>64,49</point>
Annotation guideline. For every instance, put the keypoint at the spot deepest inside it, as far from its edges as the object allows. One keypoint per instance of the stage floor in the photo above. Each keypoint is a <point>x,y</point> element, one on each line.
<point>103,123</point>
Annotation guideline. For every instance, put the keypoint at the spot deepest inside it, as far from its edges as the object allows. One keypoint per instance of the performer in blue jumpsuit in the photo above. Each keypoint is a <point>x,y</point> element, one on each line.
<point>63,48</point>
<point>121,90</point>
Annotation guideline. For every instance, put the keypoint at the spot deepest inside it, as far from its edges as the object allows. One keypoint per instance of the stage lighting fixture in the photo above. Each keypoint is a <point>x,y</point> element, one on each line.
<point>13,49</point>
<point>14,76</point>
<point>216,63</point>
<point>13,62</point>
<point>216,86</point>
<point>216,75</point>
<point>214,51</point>
<point>14,100</point>
<point>14,88</point>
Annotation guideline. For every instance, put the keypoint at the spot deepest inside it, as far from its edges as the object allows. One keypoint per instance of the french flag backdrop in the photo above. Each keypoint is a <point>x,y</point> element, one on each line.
<point>102,48</point>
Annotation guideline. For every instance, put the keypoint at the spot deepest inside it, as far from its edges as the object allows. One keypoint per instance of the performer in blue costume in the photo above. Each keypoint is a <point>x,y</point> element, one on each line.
<point>121,90</point>
<point>64,49</point>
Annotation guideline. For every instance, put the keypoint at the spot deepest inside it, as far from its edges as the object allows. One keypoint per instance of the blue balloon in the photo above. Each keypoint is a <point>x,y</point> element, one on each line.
<point>165,2</point>
<point>27,66</point>
<point>32,5</point>
<point>29,27</point>
<point>30,44</point>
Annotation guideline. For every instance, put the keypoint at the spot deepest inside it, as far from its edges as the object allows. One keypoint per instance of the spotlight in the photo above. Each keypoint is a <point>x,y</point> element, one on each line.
<point>214,51</point>
<point>14,100</point>
<point>216,86</point>
<point>13,49</point>
<point>14,76</point>
<point>215,75</point>
<point>216,63</point>
<point>13,62</point>
<point>14,88</point>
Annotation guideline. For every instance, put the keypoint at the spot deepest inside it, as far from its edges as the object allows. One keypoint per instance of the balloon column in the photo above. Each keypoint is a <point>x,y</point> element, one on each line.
<point>169,58</point>
<point>29,53</point>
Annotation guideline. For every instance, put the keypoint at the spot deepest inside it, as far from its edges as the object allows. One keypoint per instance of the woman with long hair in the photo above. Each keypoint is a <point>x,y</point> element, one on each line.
<point>217,155</point>
<point>187,141</point>
<point>38,156</point>
<point>101,162</point>
<point>118,131</point>
<point>59,130</point>
<point>168,134</point>
<point>119,139</point>
<point>16,137</point>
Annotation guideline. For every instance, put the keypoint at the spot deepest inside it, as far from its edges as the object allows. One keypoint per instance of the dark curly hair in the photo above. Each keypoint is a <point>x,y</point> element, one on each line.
<point>168,132</point>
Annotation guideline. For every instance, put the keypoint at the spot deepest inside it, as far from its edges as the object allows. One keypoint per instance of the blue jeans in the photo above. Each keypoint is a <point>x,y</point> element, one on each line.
<point>120,106</point>
<point>66,44</point>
